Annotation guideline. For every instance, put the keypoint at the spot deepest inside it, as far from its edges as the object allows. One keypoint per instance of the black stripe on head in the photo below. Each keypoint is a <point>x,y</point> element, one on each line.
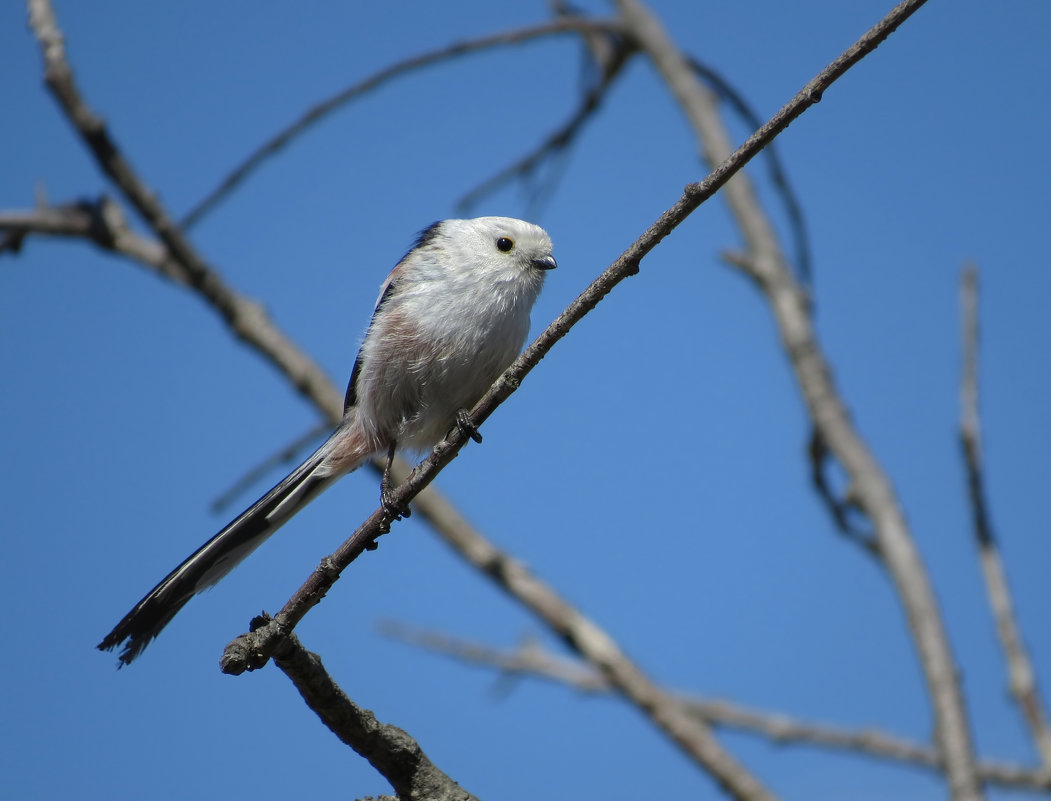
<point>351,398</point>
<point>425,237</point>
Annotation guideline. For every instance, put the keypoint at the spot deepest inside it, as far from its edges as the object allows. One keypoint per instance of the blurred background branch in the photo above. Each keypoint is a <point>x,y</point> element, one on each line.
<point>1021,678</point>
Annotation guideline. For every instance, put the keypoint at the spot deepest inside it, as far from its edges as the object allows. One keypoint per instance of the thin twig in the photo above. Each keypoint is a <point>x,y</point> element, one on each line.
<point>532,660</point>
<point>1021,675</point>
<point>288,454</point>
<point>390,750</point>
<point>870,487</point>
<point>321,110</point>
<point>558,140</point>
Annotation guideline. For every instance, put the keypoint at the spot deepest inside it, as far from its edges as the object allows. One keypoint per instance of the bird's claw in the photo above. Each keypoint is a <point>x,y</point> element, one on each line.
<point>394,510</point>
<point>469,429</point>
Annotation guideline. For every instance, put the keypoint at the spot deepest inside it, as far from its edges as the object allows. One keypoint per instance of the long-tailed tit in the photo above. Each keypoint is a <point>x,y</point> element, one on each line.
<point>451,316</point>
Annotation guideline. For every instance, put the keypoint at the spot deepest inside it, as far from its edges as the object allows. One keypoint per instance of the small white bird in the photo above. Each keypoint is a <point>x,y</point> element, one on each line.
<point>451,316</point>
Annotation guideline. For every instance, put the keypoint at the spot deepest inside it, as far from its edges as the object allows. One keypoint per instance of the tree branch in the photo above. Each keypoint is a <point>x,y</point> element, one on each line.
<point>101,222</point>
<point>560,139</point>
<point>288,454</point>
<point>778,172</point>
<point>247,319</point>
<point>390,750</point>
<point>1021,676</point>
<point>620,673</point>
<point>321,110</point>
<point>532,660</point>
<point>874,494</point>
<point>842,509</point>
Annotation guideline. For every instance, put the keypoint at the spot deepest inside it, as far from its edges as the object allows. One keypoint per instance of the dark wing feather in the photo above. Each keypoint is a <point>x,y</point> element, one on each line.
<point>352,387</point>
<point>424,238</point>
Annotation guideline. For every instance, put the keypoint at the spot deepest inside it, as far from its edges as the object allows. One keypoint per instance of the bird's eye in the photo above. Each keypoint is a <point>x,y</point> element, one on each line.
<point>504,244</point>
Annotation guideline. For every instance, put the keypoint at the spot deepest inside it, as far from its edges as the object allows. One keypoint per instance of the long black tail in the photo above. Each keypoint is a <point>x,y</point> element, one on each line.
<point>221,554</point>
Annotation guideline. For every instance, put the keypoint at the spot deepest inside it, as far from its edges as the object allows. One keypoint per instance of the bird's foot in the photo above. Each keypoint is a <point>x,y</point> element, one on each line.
<point>394,510</point>
<point>469,429</point>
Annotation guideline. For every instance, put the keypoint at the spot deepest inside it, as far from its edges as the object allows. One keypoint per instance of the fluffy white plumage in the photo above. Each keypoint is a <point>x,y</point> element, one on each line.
<point>451,316</point>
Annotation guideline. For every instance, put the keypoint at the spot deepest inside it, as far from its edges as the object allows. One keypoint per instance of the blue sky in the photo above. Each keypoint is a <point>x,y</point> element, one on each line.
<point>652,468</point>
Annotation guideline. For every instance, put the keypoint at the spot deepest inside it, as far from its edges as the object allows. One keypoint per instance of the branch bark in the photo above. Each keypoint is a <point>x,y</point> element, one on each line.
<point>532,660</point>
<point>101,222</point>
<point>1021,677</point>
<point>765,264</point>
<point>390,750</point>
<point>247,319</point>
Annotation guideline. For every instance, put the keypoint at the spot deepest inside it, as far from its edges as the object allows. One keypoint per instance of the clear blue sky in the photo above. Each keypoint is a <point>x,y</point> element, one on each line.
<point>652,468</point>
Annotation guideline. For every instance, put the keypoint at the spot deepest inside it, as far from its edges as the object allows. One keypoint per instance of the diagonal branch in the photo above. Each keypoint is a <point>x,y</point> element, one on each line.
<point>620,673</point>
<point>390,750</point>
<point>778,172</point>
<point>870,486</point>
<point>321,110</point>
<point>247,319</point>
<point>533,660</point>
<point>1021,676</point>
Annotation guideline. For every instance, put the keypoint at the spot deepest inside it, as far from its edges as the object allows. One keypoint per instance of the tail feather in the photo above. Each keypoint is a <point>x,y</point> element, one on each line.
<point>223,552</point>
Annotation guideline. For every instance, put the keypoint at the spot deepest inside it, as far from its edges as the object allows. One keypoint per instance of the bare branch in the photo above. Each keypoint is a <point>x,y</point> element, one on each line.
<point>247,319</point>
<point>321,110</point>
<point>1021,676</point>
<point>841,509</point>
<point>531,659</point>
<point>616,668</point>
<point>390,750</point>
<point>101,222</point>
<point>617,55</point>
<point>288,454</point>
<point>870,486</point>
<point>778,173</point>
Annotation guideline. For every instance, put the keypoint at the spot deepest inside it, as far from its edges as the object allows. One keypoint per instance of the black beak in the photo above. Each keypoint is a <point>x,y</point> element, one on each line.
<point>545,263</point>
